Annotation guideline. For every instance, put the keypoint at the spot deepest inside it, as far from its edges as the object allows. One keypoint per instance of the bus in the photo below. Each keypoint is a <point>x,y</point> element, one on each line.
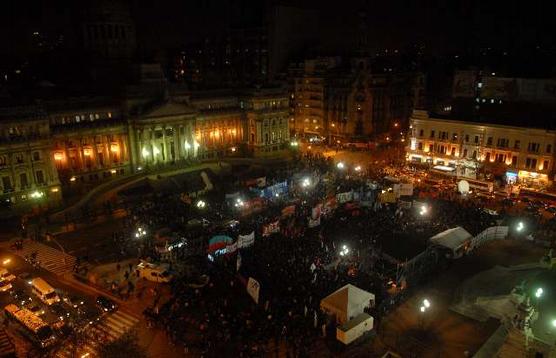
<point>31,325</point>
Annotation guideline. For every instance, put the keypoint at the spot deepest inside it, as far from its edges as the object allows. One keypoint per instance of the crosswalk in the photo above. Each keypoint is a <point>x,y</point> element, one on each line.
<point>49,258</point>
<point>111,327</point>
<point>6,346</point>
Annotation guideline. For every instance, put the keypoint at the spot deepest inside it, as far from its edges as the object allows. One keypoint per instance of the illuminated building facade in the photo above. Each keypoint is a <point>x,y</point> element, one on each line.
<point>339,100</point>
<point>75,144</point>
<point>525,155</point>
<point>27,172</point>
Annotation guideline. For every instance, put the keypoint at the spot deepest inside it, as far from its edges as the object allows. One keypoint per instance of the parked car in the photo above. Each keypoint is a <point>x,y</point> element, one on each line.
<point>106,304</point>
<point>73,301</point>
<point>60,311</point>
<point>5,275</point>
<point>35,308</point>
<point>21,297</point>
<point>5,286</point>
<point>88,314</point>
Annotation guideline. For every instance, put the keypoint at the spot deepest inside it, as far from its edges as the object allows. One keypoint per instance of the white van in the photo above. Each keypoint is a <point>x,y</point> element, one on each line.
<point>44,291</point>
<point>5,275</point>
<point>154,272</point>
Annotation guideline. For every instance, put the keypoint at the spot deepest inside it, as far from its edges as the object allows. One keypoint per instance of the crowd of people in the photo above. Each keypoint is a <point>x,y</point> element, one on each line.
<point>296,267</point>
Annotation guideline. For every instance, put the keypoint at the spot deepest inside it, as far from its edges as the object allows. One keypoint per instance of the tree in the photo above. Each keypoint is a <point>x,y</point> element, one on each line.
<point>125,346</point>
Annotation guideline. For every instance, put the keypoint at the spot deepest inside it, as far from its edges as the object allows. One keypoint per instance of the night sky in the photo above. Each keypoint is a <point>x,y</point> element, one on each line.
<point>440,25</point>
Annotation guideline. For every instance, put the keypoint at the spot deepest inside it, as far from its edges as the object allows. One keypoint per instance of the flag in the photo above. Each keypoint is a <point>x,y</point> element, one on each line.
<point>315,213</point>
<point>246,240</point>
<point>231,248</point>
<point>271,228</point>
<point>288,211</point>
<point>238,261</point>
<point>314,223</point>
<point>219,242</point>
<point>253,288</point>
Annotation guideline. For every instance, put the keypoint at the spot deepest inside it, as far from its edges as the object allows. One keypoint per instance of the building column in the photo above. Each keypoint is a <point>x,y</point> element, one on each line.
<point>164,146</point>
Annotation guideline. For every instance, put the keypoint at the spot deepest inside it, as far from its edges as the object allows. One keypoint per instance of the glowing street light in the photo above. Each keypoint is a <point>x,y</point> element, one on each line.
<point>358,168</point>
<point>426,303</point>
<point>6,261</point>
<point>344,251</point>
<point>554,323</point>
<point>294,144</point>
<point>423,309</point>
<point>423,210</point>
<point>340,165</point>
<point>539,292</point>
<point>520,226</point>
<point>306,182</point>
<point>239,203</point>
<point>140,233</point>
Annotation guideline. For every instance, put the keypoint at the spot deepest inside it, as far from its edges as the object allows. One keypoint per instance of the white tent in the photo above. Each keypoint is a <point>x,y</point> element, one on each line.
<point>456,239</point>
<point>347,303</point>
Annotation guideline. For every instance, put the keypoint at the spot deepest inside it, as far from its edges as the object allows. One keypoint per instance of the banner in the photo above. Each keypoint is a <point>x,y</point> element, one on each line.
<point>288,211</point>
<point>230,249</point>
<point>271,228</point>
<point>246,240</point>
<point>388,197</point>
<point>403,189</point>
<point>275,190</point>
<point>232,196</point>
<point>314,223</point>
<point>317,210</point>
<point>253,288</point>
<point>219,242</point>
<point>344,197</point>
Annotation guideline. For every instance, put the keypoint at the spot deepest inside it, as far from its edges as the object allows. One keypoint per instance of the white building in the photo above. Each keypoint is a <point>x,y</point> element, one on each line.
<point>524,154</point>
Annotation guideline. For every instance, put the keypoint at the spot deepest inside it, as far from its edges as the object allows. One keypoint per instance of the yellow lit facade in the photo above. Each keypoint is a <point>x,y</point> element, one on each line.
<point>76,144</point>
<point>526,154</point>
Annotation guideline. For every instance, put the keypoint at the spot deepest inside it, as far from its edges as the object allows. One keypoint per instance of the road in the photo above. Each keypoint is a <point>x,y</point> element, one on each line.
<point>94,327</point>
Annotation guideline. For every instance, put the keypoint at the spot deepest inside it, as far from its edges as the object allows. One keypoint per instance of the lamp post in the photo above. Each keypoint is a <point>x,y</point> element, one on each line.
<point>425,306</point>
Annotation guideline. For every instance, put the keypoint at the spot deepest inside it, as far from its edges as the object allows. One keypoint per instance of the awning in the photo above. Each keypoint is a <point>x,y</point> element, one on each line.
<point>444,168</point>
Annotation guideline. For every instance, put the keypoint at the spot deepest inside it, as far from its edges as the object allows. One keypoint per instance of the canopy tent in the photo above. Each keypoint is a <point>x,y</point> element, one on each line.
<point>347,302</point>
<point>454,239</point>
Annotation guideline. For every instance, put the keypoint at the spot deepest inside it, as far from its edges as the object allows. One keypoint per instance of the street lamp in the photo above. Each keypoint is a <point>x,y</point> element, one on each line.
<point>6,261</point>
<point>426,303</point>
<point>520,226</point>
<point>539,292</point>
<point>344,251</point>
<point>358,168</point>
<point>554,323</point>
<point>239,203</point>
<point>306,182</point>
<point>423,210</point>
<point>340,165</point>
<point>140,233</point>
<point>201,204</point>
